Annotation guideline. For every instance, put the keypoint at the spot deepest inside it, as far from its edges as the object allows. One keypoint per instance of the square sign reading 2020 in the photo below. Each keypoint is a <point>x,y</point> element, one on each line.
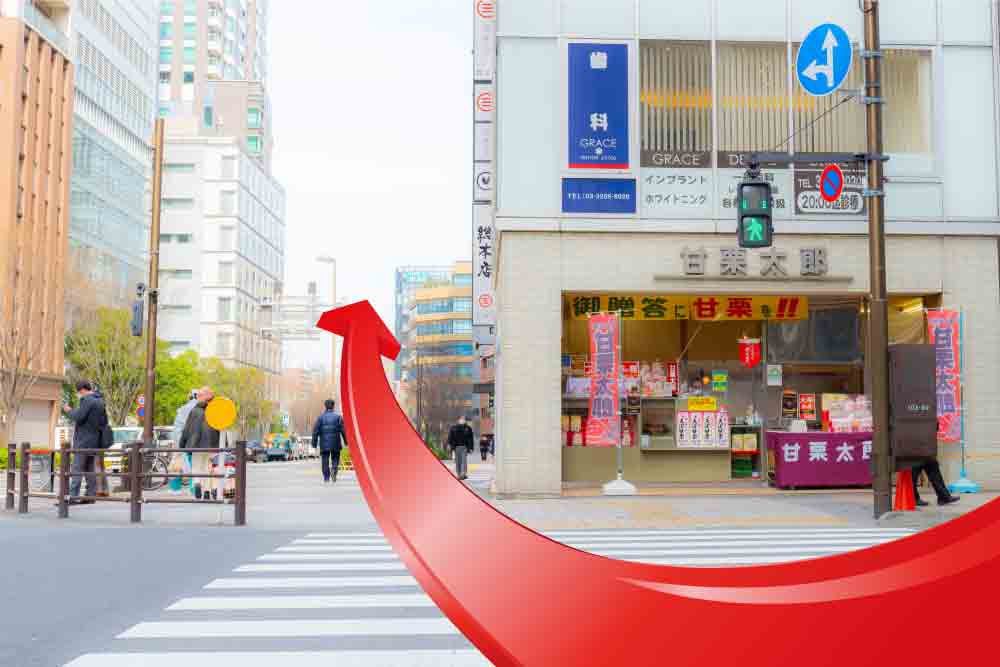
<point>598,106</point>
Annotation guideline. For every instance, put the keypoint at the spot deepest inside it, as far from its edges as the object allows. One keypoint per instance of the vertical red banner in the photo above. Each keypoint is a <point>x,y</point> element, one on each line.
<point>604,424</point>
<point>945,333</point>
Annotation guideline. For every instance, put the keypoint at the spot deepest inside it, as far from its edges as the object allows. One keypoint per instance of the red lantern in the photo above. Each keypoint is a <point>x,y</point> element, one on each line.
<point>750,352</point>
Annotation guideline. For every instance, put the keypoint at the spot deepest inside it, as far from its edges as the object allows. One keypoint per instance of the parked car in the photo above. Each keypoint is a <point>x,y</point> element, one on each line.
<point>277,452</point>
<point>114,457</point>
<point>256,452</point>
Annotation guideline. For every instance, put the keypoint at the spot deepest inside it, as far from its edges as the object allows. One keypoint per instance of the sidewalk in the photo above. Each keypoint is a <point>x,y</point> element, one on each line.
<point>738,504</point>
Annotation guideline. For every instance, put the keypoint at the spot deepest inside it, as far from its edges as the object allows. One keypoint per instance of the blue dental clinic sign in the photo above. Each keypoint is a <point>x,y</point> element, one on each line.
<point>598,195</point>
<point>598,106</point>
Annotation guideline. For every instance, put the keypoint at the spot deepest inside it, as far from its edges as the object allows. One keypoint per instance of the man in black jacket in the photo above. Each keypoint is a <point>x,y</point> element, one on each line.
<point>198,434</point>
<point>328,433</point>
<point>460,441</point>
<point>91,419</point>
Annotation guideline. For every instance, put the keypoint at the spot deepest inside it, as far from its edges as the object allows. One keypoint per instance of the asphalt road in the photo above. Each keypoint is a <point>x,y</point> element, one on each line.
<point>311,580</point>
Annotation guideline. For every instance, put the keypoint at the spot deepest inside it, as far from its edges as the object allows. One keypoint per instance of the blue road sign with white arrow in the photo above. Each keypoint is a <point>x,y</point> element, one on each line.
<point>824,59</point>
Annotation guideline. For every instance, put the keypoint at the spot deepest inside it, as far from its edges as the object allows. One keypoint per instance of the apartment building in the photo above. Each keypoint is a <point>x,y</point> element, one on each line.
<point>114,48</point>
<point>36,129</point>
<point>407,280</point>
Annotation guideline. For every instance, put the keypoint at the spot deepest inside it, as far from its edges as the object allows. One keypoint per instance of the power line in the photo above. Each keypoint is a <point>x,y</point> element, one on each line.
<point>815,120</point>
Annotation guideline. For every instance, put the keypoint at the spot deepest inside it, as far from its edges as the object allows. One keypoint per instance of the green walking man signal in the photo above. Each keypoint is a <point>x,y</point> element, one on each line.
<point>753,214</point>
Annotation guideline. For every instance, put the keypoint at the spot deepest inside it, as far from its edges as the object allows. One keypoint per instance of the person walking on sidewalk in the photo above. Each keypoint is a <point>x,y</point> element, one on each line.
<point>91,419</point>
<point>933,470</point>
<point>460,441</point>
<point>198,434</point>
<point>484,446</point>
<point>328,433</point>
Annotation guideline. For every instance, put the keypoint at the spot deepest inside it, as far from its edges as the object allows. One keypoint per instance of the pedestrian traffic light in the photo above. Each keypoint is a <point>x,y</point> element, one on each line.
<point>753,214</point>
<point>137,317</point>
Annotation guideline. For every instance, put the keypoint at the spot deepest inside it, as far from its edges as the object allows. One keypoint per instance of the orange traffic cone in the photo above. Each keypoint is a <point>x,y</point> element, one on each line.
<point>905,502</point>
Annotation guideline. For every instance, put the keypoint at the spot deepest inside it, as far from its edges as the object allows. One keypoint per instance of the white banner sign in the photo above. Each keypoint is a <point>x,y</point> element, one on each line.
<point>484,232</point>
<point>485,40</point>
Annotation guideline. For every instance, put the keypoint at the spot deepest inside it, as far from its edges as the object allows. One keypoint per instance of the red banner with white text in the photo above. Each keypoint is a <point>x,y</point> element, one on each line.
<point>945,333</point>
<point>603,424</point>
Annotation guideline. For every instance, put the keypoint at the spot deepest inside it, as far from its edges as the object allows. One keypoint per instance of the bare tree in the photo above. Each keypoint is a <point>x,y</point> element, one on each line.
<point>20,349</point>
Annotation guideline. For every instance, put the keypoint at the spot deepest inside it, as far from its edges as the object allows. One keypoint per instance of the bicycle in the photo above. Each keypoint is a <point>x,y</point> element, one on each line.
<point>154,464</point>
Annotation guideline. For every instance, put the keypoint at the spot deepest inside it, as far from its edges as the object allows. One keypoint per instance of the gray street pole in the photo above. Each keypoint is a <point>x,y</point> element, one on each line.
<point>878,323</point>
<point>154,284</point>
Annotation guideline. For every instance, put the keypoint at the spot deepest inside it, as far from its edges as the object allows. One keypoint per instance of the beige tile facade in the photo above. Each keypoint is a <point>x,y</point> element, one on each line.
<point>536,268</point>
<point>36,107</point>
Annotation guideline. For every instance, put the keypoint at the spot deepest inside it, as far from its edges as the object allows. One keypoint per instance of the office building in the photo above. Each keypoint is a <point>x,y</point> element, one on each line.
<point>406,280</point>
<point>36,129</point>
<point>114,45</point>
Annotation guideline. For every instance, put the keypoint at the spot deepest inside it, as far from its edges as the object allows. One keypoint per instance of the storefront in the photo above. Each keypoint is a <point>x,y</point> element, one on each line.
<point>618,134</point>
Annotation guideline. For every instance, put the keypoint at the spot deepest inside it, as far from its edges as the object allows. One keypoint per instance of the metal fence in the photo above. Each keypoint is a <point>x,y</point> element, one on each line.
<point>19,488</point>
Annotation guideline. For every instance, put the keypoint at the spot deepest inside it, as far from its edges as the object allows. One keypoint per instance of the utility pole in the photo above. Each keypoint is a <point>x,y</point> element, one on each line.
<point>154,285</point>
<point>878,323</point>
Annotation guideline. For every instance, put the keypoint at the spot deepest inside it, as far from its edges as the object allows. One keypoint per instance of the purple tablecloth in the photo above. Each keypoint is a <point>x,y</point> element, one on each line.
<point>821,459</point>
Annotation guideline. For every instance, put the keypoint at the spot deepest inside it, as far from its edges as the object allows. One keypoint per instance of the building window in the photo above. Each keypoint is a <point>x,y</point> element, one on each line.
<point>462,280</point>
<point>166,30</point>
<point>224,345</point>
<point>167,7</point>
<point>254,118</point>
<point>463,305</point>
<point>177,346</point>
<point>675,96</point>
<point>190,31</point>
<point>907,83</point>
<point>753,110</point>
<point>227,238</point>
<point>175,238</point>
<point>208,117</point>
<point>166,55</point>
<point>177,203</point>
<point>179,274</point>
<point>177,307</point>
<point>229,167</point>
<point>165,77</point>
<point>254,143</point>
<point>227,202</point>
<point>189,55</point>
<point>188,77</point>
<point>190,7</point>
<point>225,309</point>
<point>179,167</point>
<point>225,273</point>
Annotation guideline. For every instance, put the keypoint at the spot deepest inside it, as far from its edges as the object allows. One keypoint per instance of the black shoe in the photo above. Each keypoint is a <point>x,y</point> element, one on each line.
<point>326,480</point>
<point>922,503</point>
<point>949,500</point>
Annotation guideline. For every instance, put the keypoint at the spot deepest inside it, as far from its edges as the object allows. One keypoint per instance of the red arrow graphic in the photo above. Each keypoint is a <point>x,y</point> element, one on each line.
<point>536,602</point>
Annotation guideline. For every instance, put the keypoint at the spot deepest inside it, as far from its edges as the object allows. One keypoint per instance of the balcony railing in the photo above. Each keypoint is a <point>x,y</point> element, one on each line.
<point>44,26</point>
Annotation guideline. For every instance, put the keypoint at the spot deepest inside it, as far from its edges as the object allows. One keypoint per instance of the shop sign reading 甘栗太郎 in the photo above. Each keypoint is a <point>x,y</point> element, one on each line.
<point>710,308</point>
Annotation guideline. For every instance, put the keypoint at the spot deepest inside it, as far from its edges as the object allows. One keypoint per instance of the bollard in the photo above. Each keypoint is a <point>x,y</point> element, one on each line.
<point>64,480</point>
<point>11,475</point>
<point>22,507</point>
<point>135,479</point>
<point>240,511</point>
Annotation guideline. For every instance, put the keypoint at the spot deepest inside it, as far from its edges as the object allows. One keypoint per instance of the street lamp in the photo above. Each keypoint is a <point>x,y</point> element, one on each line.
<point>326,259</point>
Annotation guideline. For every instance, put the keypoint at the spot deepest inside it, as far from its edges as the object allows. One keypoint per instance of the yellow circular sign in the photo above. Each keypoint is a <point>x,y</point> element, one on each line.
<point>220,413</point>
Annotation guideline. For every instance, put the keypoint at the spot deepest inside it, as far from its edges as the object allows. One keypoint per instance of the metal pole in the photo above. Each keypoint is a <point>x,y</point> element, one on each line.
<point>64,480</point>
<point>22,484</point>
<point>11,476</point>
<point>135,481</point>
<point>878,323</point>
<point>154,282</point>
<point>240,511</point>
<point>618,408</point>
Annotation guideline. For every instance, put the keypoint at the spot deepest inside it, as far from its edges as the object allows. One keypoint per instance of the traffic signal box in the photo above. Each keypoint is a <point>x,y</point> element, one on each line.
<point>754,225</point>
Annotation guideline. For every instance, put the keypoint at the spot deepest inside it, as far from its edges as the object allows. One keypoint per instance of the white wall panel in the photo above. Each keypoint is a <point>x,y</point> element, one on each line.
<point>760,20</point>
<point>907,21</point>
<point>598,18</point>
<point>527,17</point>
<point>966,21</point>
<point>528,99</point>
<point>969,145</point>
<point>661,20</point>
<point>907,201</point>
<point>807,14</point>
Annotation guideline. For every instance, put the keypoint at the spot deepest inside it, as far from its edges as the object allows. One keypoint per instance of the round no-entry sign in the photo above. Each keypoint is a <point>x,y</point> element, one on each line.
<point>831,183</point>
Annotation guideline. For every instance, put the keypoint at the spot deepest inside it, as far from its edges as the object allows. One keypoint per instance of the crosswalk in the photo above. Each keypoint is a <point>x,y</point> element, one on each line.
<point>342,598</point>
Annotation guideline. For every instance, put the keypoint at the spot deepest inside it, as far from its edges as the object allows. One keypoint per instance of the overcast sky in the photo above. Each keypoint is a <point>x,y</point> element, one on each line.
<point>372,126</point>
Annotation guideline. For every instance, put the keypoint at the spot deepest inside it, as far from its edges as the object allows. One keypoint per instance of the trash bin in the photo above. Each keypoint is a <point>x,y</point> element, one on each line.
<point>42,477</point>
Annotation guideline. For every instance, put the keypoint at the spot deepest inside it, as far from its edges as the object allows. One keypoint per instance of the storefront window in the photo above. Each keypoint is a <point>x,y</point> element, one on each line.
<point>819,128</point>
<point>907,82</point>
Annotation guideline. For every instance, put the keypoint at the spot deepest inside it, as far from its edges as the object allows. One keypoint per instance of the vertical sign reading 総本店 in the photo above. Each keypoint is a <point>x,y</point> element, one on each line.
<point>484,235</point>
<point>603,426</point>
<point>598,106</point>
<point>944,328</point>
